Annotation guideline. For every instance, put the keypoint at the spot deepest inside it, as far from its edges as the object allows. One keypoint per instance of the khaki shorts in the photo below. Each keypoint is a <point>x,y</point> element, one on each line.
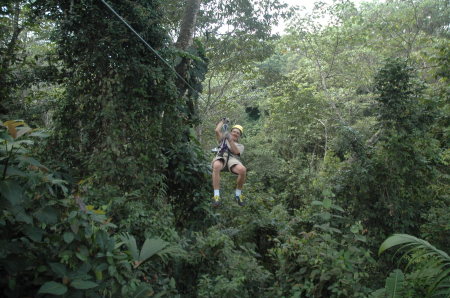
<point>232,161</point>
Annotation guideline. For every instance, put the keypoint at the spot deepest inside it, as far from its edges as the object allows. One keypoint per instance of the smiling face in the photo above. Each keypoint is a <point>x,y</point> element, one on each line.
<point>235,134</point>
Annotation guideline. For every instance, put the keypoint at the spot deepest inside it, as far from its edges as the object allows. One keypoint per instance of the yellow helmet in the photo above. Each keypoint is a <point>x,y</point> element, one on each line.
<point>241,129</point>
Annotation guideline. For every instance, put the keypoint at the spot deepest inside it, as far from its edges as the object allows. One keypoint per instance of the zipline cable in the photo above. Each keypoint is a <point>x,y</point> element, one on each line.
<point>149,46</point>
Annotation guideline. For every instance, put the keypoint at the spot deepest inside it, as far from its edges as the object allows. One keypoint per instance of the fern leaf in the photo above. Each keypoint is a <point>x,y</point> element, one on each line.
<point>131,245</point>
<point>173,251</point>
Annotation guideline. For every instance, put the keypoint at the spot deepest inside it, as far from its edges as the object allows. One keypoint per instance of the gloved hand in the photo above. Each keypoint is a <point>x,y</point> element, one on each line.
<point>227,135</point>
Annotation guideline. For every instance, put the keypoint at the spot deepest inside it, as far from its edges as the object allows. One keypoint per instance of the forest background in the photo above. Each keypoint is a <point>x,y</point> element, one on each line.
<point>106,145</point>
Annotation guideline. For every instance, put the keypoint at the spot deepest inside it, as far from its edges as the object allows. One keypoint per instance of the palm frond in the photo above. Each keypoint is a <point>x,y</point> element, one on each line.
<point>434,263</point>
<point>151,247</point>
<point>416,244</point>
<point>130,243</point>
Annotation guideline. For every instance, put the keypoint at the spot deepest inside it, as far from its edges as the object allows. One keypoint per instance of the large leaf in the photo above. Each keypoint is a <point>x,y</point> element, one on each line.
<point>151,247</point>
<point>12,125</point>
<point>31,161</point>
<point>23,130</point>
<point>143,291</point>
<point>17,145</point>
<point>48,215</point>
<point>417,244</point>
<point>316,203</point>
<point>59,269</point>
<point>54,288</point>
<point>82,253</point>
<point>394,284</point>
<point>103,240</point>
<point>13,171</point>
<point>68,237</point>
<point>327,203</point>
<point>83,284</point>
<point>40,134</point>
<point>12,191</point>
<point>380,293</point>
<point>394,240</point>
<point>4,136</point>
<point>33,233</point>
<point>21,215</point>
<point>81,273</point>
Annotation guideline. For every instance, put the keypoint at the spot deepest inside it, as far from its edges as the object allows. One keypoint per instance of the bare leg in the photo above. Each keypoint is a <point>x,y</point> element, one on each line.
<point>216,167</point>
<point>241,171</point>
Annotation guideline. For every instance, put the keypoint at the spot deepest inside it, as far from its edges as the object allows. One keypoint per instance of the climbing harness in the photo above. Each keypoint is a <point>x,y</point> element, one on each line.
<point>223,150</point>
<point>223,147</point>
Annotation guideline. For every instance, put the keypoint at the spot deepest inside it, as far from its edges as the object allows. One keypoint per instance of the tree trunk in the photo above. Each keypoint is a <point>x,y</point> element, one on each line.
<point>188,24</point>
<point>9,55</point>
<point>184,41</point>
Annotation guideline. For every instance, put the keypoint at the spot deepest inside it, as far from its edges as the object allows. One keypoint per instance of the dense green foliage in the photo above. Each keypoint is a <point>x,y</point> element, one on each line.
<point>105,180</point>
<point>53,243</point>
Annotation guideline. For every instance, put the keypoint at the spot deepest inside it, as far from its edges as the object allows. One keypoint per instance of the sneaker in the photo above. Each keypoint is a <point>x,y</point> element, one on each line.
<point>240,200</point>
<point>215,202</point>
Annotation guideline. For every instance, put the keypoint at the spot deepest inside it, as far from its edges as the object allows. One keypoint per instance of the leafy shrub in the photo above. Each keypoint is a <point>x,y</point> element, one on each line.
<point>391,174</point>
<point>224,269</point>
<point>437,227</point>
<point>51,242</point>
<point>326,261</point>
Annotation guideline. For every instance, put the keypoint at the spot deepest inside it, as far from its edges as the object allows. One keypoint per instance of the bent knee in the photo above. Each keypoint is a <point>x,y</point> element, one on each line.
<point>217,165</point>
<point>244,170</point>
<point>240,169</point>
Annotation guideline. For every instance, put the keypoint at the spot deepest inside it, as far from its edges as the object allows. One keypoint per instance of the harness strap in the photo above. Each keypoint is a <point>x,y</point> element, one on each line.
<point>222,149</point>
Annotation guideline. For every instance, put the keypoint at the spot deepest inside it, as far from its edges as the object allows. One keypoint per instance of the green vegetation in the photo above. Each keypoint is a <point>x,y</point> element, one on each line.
<point>105,149</point>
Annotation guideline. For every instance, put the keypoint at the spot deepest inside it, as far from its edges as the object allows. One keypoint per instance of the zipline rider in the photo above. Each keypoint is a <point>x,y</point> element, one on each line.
<point>228,158</point>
